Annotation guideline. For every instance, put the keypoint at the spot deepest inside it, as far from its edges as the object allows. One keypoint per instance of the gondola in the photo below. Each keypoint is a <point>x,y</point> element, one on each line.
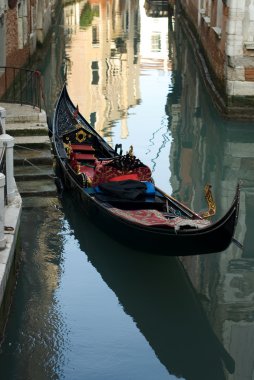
<point>118,193</point>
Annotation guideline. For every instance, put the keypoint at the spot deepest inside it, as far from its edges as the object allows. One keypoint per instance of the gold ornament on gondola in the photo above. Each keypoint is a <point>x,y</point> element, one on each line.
<point>68,149</point>
<point>80,136</point>
<point>78,168</point>
<point>210,202</point>
<point>131,154</point>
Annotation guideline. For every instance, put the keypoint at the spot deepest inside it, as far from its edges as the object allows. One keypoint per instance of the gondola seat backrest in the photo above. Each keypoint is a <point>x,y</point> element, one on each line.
<point>105,173</point>
<point>78,153</point>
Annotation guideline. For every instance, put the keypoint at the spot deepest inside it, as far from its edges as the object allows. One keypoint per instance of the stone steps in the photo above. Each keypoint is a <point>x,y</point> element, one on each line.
<point>16,113</point>
<point>37,187</point>
<point>33,158</point>
<point>33,141</point>
<point>26,129</point>
<point>27,172</point>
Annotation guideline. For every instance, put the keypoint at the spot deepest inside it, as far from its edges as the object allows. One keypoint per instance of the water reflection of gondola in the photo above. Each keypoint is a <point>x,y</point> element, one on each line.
<point>158,295</point>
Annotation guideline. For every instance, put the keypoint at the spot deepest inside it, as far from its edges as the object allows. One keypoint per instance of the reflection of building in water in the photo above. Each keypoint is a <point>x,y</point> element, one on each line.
<point>103,60</point>
<point>237,315</point>
<point>157,8</point>
<point>237,284</point>
<point>208,149</point>
<point>154,47</point>
<point>44,335</point>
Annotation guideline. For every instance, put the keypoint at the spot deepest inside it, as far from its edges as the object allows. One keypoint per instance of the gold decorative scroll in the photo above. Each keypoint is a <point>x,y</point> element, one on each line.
<point>131,154</point>
<point>210,202</point>
<point>68,149</point>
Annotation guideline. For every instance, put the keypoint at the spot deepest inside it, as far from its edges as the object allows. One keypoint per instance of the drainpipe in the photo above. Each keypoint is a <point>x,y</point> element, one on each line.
<point>8,141</point>
<point>2,212</point>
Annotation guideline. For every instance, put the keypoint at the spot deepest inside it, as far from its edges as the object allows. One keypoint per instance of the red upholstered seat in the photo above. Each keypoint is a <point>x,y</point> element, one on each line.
<point>82,147</point>
<point>83,156</point>
<point>104,173</point>
<point>124,177</point>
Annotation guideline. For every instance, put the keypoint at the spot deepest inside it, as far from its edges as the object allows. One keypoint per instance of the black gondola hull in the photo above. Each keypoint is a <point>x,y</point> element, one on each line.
<point>213,238</point>
<point>154,240</point>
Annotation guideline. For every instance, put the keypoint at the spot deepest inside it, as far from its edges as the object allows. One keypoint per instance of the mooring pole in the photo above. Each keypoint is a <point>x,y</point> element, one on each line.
<point>2,119</point>
<point>2,212</point>
<point>8,142</point>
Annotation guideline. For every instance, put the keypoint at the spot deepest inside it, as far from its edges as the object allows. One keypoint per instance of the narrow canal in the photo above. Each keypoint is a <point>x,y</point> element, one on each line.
<point>85,306</point>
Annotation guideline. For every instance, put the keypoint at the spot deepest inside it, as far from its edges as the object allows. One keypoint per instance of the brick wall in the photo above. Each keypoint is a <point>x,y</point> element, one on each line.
<point>224,32</point>
<point>214,50</point>
<point>249,74</point>
<point>14,56</point>
<point>211,43</point>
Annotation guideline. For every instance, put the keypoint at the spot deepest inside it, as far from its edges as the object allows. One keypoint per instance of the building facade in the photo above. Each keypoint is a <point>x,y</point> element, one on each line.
<point>23,25</point>
<point>224,30</point>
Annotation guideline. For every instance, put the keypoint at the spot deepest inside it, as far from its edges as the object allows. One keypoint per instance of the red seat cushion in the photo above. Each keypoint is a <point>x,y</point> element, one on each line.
<point>124,177</point>
<point>82,147</point>
<point>84,156</point>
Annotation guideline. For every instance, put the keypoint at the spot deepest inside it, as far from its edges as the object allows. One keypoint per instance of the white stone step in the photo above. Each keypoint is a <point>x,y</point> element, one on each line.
<point>31,140</point>
<point>16,113</point>
<point>28,127</point>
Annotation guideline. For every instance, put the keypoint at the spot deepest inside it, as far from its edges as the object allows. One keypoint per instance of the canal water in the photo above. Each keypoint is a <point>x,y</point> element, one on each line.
<point>87,307</point>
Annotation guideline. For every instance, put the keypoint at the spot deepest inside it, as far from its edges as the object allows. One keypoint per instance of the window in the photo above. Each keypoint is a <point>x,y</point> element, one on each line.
<point>95,35</point>
<point>22,24</point>
<point>156,42</point>
<point>219,15</point>
<point>205,10</point>
<point>2,38</point>
<point>93,119</point>
<point>96,10</point>
<point>219,18</point>
<point>95,72</point>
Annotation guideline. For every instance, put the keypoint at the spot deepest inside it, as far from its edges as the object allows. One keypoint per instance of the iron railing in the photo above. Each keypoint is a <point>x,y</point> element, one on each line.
<point>23,86</point>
